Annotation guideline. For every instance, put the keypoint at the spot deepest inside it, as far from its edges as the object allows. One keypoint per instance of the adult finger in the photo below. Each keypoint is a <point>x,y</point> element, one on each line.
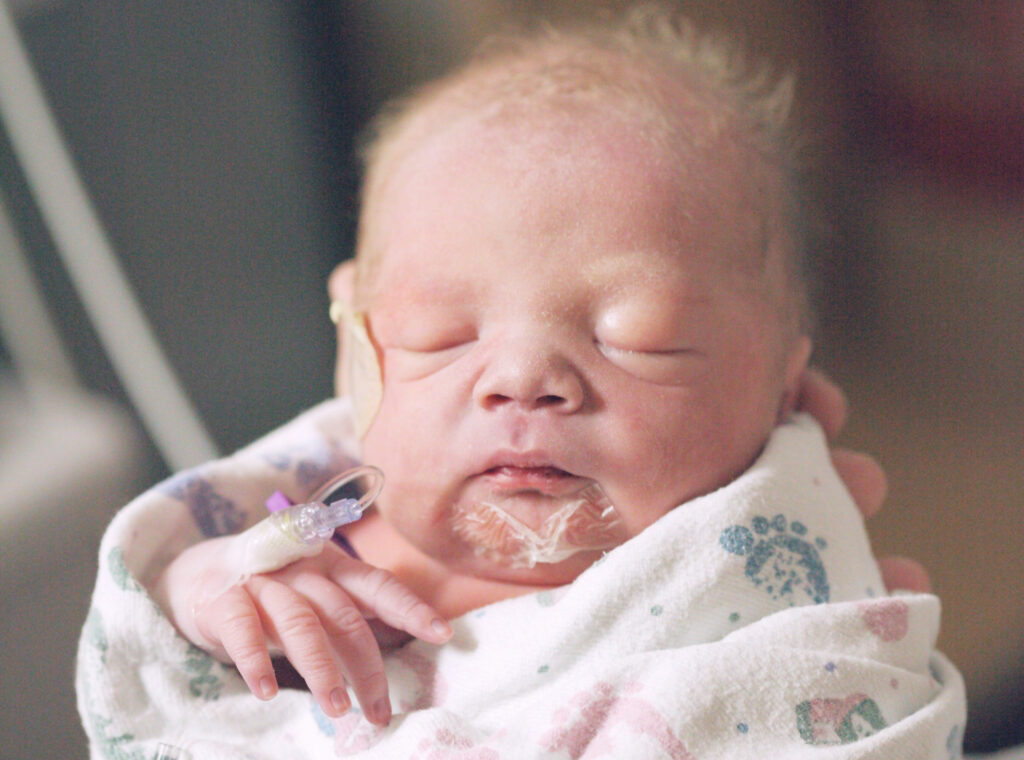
<point>901,573</point>
<point>823,400</point>
<point>382,595</point>
<point>233,623</point>
<point>864,479</point>
<point>296,627</point>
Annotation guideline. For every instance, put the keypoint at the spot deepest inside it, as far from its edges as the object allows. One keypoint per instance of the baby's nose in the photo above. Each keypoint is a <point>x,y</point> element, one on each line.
<point>532,377</point>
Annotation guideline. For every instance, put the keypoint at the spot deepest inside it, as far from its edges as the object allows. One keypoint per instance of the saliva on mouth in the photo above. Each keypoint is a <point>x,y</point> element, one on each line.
<point>584,520</point>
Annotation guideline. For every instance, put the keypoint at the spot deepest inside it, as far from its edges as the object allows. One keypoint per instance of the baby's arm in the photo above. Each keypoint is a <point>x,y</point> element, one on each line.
<point>314,611</point>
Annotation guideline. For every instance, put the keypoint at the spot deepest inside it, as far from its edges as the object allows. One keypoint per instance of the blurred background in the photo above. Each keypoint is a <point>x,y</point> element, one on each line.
<point>215,141</point>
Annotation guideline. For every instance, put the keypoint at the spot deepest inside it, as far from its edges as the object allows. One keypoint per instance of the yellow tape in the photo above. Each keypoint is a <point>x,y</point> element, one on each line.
<point>360,366</point>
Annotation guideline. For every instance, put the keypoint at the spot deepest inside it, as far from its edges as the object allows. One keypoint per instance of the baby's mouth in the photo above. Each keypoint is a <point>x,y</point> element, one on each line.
<point>547,480</point>
<point>523,514</point>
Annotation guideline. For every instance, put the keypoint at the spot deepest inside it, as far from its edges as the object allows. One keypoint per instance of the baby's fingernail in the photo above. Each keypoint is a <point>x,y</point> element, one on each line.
<point>340,701</point>
<point>441,627</point>
<point>266,688</point>
<point>381,712</point>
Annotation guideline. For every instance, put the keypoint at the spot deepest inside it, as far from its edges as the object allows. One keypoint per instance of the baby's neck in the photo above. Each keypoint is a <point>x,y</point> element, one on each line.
<point>452,594</point>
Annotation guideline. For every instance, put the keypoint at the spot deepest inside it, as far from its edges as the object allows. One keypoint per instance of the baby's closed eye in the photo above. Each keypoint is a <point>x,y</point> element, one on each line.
<point>673,366</point>
<point>652,340</point>
<point>422,347</point>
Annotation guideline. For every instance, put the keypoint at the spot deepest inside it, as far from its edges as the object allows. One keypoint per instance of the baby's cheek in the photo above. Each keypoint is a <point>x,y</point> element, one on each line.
<point>686,449</point>
<point>408,434</point>
<point>649,472</point>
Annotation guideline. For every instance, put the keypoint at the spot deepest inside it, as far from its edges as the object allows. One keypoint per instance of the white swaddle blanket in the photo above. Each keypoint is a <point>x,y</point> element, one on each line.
<point>750,622</point>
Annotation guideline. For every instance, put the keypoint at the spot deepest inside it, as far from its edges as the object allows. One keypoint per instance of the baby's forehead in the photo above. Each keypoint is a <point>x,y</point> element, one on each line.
<point>531,101</point>
<point>576,83</point>
<point>698,171</point>
<point>704,211</point>
<point>722,134</point>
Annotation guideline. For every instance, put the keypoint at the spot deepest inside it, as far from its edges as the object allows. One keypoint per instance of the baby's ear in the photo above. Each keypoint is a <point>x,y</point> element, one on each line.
<point>340,289</point>
<point>357,369</point>
<point>341,283</point>
<point>796,363</point>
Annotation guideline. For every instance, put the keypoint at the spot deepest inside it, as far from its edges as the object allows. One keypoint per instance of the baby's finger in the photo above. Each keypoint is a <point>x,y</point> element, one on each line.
<point>864,479</point>
<point>233,622</point>
<point>381,594</point>
<point>353,642</point>
<point>294,624</point>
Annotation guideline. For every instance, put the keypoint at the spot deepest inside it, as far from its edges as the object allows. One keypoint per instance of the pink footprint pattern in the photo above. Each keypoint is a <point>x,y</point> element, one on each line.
<point>888,619</point>
<point>449,745</point>
<point>586,726</point>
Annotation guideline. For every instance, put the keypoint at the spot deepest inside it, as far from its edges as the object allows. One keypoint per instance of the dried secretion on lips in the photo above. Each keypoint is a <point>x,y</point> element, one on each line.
<point>490,535</point>
<point>587,522</point>
<point>595,522</point>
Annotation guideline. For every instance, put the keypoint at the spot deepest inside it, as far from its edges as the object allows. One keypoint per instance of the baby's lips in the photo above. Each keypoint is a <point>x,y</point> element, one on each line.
<point>541,471</point>
<point>545,479</point>
<point>541,464</point>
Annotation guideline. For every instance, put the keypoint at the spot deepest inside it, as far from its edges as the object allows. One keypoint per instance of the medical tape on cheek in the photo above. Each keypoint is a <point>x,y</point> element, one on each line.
<point>360,366</point>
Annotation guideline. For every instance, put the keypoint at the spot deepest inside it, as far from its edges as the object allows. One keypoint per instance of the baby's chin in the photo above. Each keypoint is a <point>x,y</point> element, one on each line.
<point>541,574</point>
<point>494,552</point>
<point>547,538</point>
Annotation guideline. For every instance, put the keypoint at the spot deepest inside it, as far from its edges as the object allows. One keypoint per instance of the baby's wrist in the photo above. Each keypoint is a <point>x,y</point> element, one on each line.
<point>184,590</point>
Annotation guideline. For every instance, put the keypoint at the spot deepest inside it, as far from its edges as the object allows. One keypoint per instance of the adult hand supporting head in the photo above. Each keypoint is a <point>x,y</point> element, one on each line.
<point>863,476</point>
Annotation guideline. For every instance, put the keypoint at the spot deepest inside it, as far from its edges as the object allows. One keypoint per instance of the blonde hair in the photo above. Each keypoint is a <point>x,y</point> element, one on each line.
<point>638,61</point>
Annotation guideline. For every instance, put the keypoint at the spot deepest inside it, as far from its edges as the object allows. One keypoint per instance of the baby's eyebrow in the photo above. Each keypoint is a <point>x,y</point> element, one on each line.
<point>752,256</point>
<point>442,289</point>
<point>622,273</point>
<point>414,297</point>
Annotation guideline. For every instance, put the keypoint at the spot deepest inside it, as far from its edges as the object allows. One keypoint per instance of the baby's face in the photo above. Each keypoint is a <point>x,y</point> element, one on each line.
<point>565,306</point>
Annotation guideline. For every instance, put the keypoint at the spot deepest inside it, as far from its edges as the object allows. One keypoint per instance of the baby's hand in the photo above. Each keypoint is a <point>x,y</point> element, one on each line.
<point>314,611</point>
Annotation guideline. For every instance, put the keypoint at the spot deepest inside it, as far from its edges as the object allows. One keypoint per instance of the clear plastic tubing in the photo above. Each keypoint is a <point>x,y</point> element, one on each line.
<point>301,530</point>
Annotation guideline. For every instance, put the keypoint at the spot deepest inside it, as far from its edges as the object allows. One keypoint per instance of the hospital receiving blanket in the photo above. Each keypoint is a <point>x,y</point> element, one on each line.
<point>747,623</point>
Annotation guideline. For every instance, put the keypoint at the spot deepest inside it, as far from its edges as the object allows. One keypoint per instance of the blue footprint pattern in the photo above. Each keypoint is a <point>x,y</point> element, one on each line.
<point>781,560</point>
